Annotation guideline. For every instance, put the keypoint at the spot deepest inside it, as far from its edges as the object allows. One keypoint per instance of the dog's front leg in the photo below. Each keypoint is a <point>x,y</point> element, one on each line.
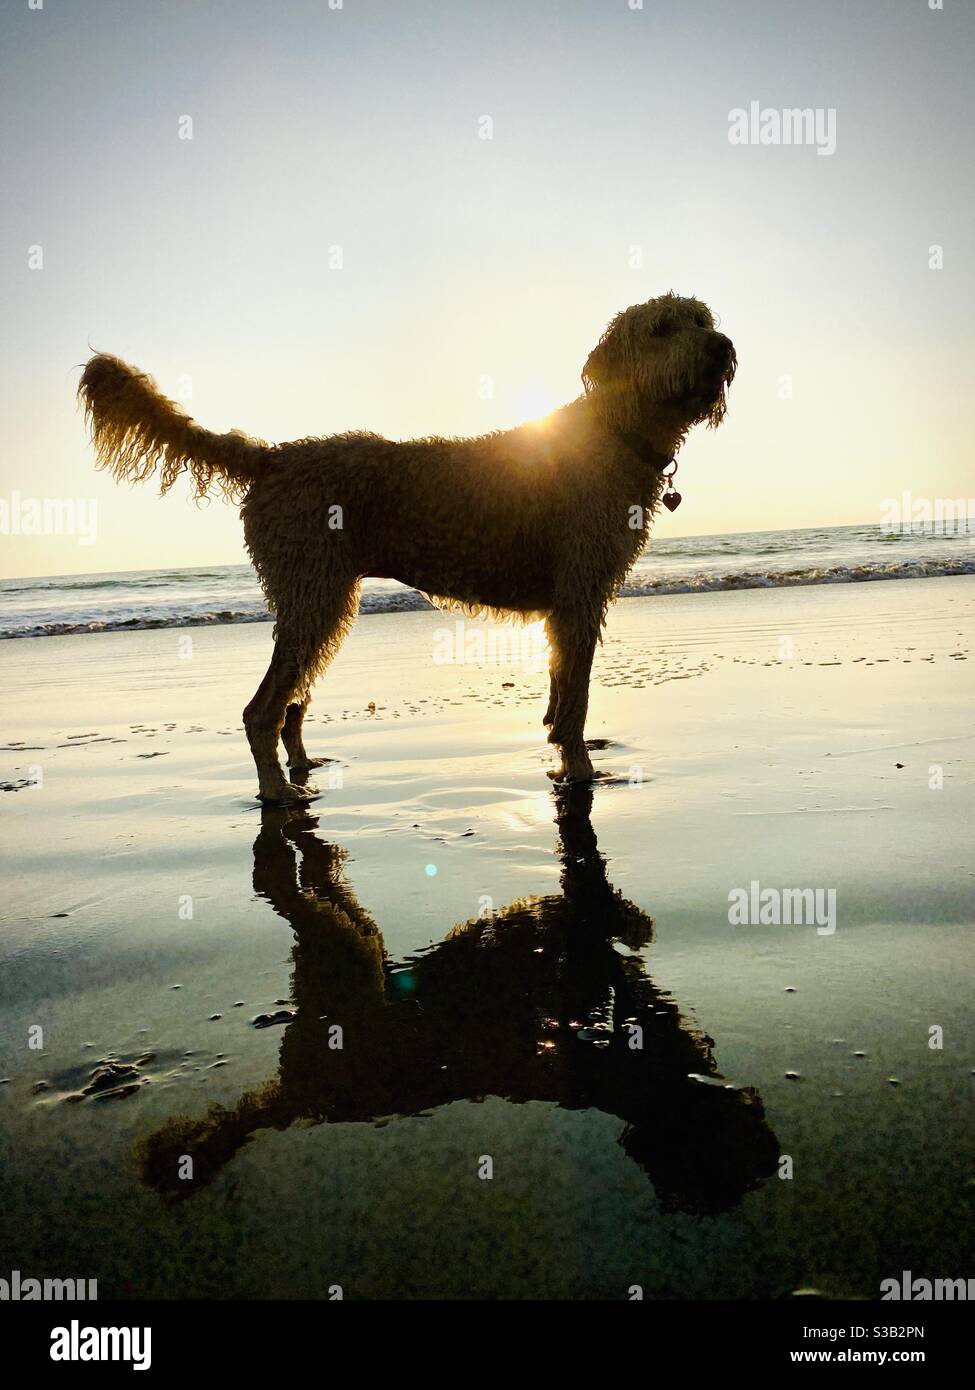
<point>554,657</point>
<point>553,693</point>
<point>573,638</point>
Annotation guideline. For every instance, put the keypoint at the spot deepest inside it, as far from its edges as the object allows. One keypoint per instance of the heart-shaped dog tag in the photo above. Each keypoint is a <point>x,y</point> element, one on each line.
<point>671,500</point>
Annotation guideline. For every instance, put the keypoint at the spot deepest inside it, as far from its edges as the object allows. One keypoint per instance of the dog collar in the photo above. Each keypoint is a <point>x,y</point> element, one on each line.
<point>670,497</point>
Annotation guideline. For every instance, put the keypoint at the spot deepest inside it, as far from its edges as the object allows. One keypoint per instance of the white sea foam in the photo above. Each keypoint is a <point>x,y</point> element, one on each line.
<point>692,564</point>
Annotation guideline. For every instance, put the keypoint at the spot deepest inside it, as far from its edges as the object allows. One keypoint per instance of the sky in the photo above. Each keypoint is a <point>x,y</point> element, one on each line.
<point>339,247</point>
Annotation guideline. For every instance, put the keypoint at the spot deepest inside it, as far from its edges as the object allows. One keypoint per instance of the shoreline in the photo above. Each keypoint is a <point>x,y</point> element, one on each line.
<point>216,595</point>
<point>156,915</point>
<point>413,601</point>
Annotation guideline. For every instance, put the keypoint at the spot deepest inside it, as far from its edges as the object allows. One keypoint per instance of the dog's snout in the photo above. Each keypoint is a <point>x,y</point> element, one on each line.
<point>722,348</point>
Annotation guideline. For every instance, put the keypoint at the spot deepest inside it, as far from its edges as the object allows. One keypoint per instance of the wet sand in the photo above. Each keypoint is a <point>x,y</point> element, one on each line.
<point>491,953</point>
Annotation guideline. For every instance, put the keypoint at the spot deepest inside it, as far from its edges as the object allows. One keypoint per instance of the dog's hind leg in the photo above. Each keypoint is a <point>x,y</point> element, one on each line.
<point>324,627</point>
<point>573,637</point>
<point>264,719</point>
<point>291,737</point>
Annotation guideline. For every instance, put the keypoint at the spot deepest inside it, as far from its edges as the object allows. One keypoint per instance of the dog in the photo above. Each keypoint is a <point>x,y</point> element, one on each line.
<point>541,521</point>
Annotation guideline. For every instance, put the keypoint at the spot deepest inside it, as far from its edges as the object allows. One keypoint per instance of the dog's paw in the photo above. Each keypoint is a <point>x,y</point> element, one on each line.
<point>306,764</point>
<point>287,795</point>
<point>572,777</point>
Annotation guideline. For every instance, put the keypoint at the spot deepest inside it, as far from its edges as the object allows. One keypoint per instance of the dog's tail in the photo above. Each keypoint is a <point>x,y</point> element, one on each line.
<point>135,429</point>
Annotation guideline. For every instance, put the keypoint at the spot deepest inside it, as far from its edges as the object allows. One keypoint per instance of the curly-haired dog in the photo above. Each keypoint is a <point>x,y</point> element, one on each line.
<point>542,520</point>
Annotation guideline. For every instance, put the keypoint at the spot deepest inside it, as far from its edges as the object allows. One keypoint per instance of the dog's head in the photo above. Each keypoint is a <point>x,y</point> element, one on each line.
<point>660,368</point>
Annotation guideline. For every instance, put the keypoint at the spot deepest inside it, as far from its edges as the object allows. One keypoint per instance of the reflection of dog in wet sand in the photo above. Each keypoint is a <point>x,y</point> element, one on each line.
<point>534,1002</point>
<point>542,520</point>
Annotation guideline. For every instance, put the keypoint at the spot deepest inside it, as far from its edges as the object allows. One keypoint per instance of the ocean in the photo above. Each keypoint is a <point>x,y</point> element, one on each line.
<point>211,594</point>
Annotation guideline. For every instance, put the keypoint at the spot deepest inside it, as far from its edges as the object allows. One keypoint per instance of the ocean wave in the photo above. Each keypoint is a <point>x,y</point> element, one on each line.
<point>405,601</point>
<point>642,583</point>
<point>646,586</point>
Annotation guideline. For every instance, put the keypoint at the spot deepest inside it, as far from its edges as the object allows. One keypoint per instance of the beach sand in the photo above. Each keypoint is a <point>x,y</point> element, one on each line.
<point>182,950</point>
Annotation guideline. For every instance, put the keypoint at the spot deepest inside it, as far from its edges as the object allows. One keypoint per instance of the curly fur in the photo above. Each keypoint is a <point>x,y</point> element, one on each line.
<point>533,521</point>
<point>135,429</point>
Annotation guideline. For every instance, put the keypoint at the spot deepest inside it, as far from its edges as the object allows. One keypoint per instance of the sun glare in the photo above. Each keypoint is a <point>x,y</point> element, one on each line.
<point>535,402</point>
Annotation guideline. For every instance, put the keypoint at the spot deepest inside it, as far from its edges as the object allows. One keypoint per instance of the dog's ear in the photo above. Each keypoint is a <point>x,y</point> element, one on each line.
<point>613,374</point>
<point>599,368</point>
